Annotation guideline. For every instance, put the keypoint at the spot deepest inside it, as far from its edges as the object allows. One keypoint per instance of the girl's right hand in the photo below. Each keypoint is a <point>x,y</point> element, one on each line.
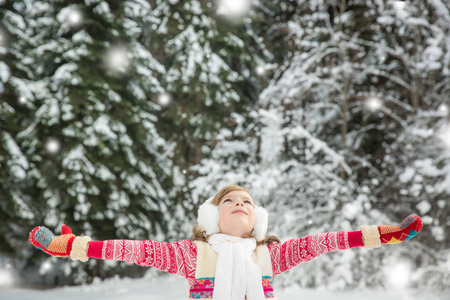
<point>42,238</point>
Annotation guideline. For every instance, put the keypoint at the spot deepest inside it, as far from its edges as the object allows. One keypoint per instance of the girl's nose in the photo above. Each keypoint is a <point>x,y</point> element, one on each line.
<point>239,203</point>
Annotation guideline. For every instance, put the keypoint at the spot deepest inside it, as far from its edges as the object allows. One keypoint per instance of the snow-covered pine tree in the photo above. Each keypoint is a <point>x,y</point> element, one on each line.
<point>96,160</point>
<point>17,211</point>
<point>210,72</point>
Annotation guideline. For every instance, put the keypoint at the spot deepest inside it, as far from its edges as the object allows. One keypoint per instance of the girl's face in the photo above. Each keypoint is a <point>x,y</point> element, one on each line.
<point>236,214</point>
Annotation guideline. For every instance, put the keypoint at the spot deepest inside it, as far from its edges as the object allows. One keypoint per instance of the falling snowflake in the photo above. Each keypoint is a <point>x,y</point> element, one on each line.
<point>260,70</point>
<point>233,8</point>
<point>374,103</point>
<point>118,59</point>
<point>53,146</point>
<point>74,17</point>
<point>164,99</point>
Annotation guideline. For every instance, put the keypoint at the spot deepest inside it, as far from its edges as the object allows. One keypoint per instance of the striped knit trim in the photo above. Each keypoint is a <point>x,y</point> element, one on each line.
<point>389,229</point>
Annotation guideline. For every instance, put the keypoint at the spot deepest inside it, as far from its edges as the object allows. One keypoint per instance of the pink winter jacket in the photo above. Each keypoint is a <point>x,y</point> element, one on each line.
<point>196,261</point>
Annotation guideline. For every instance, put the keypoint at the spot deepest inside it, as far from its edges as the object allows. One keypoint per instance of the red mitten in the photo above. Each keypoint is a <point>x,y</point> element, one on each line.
<point>374,236</point>
<point>61,245</point>
<point>394,234</point>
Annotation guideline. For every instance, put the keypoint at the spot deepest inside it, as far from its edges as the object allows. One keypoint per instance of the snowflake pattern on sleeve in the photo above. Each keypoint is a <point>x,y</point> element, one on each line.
<point>175,258</point>
<point>287,255</point>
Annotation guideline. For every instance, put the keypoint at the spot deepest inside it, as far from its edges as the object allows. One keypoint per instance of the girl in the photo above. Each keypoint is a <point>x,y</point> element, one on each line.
<point>231,257</point>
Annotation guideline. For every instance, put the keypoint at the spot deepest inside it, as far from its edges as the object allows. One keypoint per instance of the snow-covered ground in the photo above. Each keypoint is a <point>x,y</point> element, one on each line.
<point>174,287</point>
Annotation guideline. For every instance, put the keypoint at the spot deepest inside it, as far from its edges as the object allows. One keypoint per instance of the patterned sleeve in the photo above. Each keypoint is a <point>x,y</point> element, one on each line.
<point>287,255</point>
<point>176,258</point>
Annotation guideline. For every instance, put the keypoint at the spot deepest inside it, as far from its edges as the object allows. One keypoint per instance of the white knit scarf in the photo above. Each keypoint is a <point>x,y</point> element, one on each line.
<point>237,276</point>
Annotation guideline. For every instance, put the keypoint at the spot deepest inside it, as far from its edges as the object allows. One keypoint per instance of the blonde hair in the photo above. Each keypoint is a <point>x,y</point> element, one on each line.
<point>199,234</point>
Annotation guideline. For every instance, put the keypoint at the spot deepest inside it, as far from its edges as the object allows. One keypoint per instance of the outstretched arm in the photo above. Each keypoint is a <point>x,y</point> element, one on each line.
<point>175,258</point>
<point>287,255</point>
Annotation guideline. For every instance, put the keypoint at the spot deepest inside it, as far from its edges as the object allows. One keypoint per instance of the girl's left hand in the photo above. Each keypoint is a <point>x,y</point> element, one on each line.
<point>394,234</point>
<point>374,236</point>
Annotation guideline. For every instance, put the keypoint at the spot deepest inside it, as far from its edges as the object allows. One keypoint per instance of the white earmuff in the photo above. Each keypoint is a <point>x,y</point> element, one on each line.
<point>208,219</point>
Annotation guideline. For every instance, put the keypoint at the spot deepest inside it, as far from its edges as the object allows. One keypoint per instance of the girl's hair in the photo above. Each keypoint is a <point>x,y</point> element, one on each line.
<point>200,235</point>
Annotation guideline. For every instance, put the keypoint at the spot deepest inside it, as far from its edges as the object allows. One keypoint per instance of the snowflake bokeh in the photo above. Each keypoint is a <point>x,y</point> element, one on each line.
<point>53,146</point>
<point>233,8</point>
<point>374,103</point>
<point>117,58</point>
<point>164,99</point>
<point>74,17</point>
